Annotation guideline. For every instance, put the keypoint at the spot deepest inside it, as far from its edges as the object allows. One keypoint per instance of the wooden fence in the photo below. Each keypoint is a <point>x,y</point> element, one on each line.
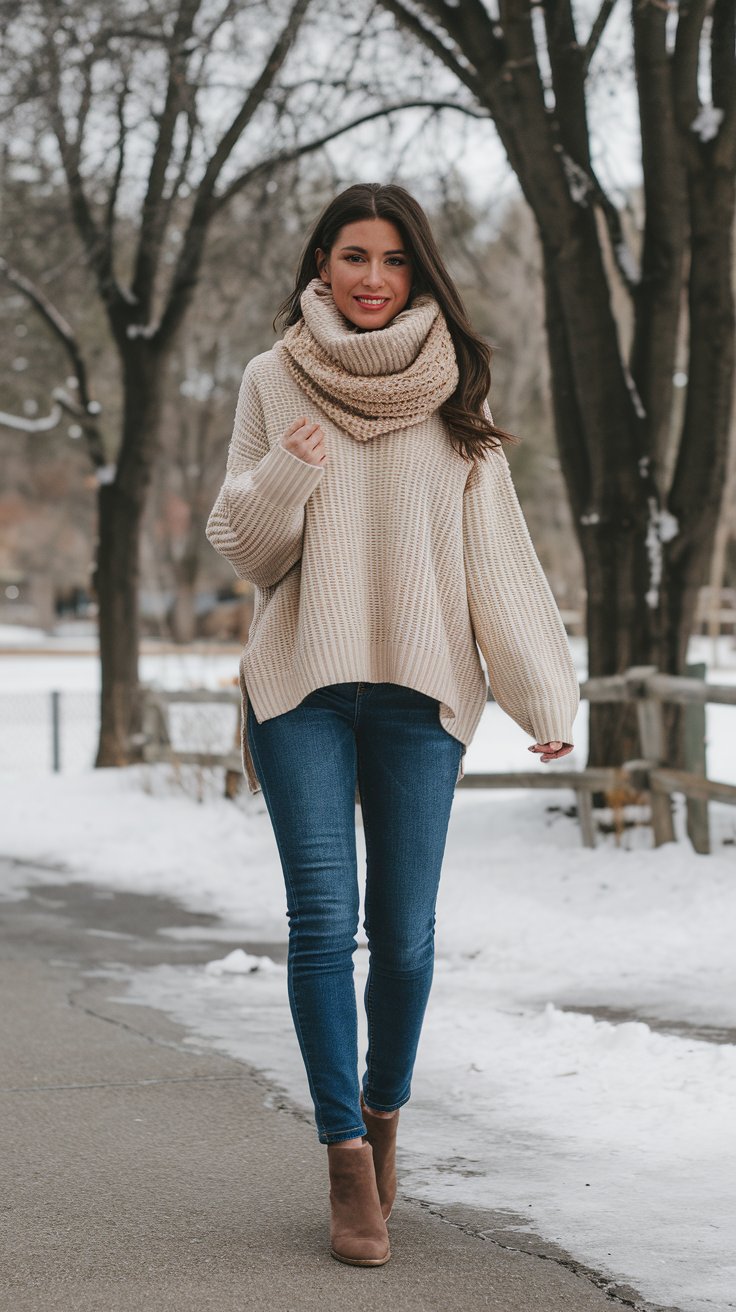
<point>647,775</point>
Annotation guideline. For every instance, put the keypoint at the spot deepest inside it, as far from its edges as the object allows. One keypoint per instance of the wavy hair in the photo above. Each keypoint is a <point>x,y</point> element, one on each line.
<point>471,433</point>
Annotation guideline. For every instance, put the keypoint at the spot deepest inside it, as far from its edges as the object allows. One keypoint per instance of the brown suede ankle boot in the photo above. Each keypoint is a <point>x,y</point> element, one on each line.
<point>358,1233</point>
<point>382,1131</point>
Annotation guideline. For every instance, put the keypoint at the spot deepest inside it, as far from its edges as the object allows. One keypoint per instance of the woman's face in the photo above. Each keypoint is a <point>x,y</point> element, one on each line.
<point>369,271</point>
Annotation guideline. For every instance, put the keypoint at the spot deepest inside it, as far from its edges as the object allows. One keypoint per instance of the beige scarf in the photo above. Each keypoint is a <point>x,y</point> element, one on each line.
<point>377,381</point>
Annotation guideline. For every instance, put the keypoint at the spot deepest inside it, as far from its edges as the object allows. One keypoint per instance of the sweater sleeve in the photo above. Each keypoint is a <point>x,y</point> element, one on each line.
<point>514,614</point>
<point>257,521</point>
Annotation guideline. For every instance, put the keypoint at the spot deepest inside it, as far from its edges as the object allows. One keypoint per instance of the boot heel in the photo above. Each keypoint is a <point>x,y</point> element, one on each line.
<point>358,1233</point>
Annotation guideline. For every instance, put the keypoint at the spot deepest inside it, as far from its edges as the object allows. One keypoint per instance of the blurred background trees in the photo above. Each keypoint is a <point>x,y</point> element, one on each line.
<point>640,316</point>
<point>159,170</point>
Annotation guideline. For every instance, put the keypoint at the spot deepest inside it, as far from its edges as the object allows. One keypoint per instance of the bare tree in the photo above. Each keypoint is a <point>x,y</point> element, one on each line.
<point>158,92</point>
<point>645,474</point>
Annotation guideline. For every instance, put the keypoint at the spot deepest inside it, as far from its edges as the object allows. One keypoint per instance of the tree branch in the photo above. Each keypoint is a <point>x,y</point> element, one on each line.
<point>507,83</point>
<point>411,23</point>
<point>567,62</point>
<point>723,77</point>
<point>568,80</point>
<point>119,167</point>
<point>86,410</point>
<point>686,62</point>
<point>96,242</point>
<point>658,298</point>
<point>596,32</point>
<point>251,104</point>
<point>287,156</point>
<point>471,28</point>
<point>152,224</point>
<point>187,270</point>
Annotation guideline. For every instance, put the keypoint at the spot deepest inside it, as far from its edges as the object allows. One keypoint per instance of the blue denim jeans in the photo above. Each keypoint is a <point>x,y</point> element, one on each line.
<point>389,739</point>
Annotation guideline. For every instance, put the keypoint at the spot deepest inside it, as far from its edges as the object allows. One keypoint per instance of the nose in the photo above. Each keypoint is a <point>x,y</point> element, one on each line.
<point>374,275</point>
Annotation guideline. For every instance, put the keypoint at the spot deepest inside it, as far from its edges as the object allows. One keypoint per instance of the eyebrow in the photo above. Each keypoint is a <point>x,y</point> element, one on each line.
<point>363,250</point>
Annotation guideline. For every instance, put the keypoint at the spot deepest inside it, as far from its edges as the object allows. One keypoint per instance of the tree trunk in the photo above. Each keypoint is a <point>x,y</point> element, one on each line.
<point>116,585</point>
<point>120,507</point>
<point>642,587</point>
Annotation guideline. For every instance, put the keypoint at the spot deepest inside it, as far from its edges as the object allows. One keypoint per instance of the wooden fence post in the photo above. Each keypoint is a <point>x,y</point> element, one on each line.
<point>154,719</point>
<point>234,778</point>
<point>698,828</point>
<point>585,816</point>
<point>651,735</point>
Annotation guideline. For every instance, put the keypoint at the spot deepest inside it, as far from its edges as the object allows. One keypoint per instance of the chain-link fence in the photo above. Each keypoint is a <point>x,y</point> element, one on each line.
<point>48,730</point>
<point>58,729</point>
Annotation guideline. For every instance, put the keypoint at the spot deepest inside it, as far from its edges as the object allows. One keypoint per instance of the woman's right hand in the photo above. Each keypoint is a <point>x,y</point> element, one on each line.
<point>305,440</point>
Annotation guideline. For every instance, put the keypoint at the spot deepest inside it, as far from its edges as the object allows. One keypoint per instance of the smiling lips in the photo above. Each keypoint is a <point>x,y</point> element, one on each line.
<point>372,302</point>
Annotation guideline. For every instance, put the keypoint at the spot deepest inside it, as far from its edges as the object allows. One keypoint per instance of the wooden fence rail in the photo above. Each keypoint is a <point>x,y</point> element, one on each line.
<point>647,774</point>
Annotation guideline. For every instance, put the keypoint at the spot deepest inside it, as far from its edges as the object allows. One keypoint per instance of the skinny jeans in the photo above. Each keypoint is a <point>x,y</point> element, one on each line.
<point>388,739</point>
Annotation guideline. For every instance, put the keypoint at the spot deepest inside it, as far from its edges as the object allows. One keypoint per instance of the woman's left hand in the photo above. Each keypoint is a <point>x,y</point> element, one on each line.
<point>551,751</point>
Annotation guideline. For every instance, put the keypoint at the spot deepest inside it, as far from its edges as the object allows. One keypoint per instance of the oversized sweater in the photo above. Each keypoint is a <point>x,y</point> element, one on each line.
<point>393,561</point>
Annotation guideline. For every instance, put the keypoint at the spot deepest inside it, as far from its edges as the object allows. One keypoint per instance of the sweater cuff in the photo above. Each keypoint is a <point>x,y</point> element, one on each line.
<point>280,477</point>
<point>547,730</point>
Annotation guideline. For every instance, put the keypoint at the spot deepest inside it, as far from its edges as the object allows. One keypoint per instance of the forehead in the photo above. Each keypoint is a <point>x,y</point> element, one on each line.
<point>371,234</point>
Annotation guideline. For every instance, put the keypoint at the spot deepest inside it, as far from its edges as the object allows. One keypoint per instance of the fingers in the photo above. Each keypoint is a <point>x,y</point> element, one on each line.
<point>307,432</point>
<point>302,423</point>
<point>551,751</point>
<point>306,440</point>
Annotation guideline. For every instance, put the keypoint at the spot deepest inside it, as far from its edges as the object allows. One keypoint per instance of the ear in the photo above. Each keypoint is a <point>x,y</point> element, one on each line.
<point>322,262</point>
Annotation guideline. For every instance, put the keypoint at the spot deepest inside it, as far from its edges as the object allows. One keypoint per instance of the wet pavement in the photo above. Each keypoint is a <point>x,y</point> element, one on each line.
<point>143,1169</point>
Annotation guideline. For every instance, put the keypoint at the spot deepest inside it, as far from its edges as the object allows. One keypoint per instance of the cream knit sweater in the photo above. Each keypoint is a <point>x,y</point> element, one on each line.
<point>395,560</point>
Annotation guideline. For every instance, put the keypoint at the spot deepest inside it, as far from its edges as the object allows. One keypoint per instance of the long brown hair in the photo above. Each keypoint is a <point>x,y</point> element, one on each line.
<point>471,433</point>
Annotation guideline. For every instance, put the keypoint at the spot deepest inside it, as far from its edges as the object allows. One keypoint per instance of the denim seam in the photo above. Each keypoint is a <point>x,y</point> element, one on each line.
<point>371,1025</point>
<point>368,992</point>
<point>290,981</point>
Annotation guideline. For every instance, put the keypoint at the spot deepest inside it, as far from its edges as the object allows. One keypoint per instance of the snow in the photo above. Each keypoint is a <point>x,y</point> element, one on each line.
<point>199,385</point>
<point>134,330</point>
<point>43,425</point>
<point>707,122</point>
<point>576,1074</point>
<point>639,406</point>
<point>627,263</point>
<point>239,962</point>
<point>106,474</point>
<point>579,183</point>
<point>18,635</point>
<point>661,527</point>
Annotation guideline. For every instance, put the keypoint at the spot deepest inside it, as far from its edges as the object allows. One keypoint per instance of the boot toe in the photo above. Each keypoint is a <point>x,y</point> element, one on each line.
<point>361,1252</point>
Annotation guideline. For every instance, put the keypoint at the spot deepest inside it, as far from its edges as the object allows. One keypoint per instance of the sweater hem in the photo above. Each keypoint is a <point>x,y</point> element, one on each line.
<point>267,695</point>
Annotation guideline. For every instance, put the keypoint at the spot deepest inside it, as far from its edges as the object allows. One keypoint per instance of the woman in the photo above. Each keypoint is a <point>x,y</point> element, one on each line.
<point>368,498</point>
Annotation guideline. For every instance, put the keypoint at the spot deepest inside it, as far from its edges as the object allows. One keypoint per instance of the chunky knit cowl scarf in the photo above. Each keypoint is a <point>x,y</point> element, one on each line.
<point>376,381</point>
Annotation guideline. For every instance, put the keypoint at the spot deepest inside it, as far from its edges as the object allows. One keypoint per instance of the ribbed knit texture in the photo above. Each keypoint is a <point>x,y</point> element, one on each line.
<point>392,562</point>
<point>376,381</point>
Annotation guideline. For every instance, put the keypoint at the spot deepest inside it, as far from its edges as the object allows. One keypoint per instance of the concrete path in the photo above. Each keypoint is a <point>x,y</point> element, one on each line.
<point>140,1172</point>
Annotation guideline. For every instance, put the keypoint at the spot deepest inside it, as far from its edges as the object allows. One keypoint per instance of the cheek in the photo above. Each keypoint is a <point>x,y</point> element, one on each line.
<point>343,282</point>
<point>401,280</point>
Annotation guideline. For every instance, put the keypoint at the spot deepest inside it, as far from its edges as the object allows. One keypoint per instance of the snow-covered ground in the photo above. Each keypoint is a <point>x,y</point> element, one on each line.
<point>577,1068</point>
